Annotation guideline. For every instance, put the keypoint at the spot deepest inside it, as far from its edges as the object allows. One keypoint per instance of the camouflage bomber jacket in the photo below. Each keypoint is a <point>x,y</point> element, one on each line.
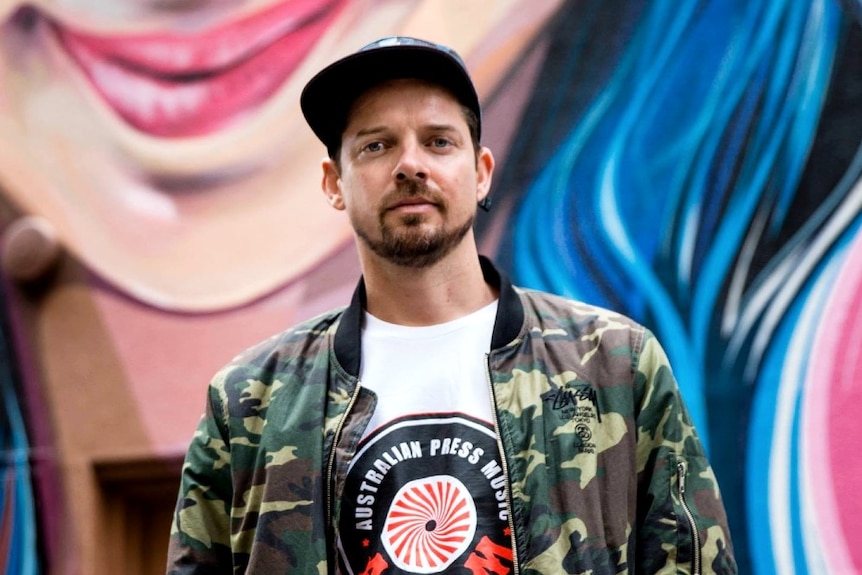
<point>605,470</point>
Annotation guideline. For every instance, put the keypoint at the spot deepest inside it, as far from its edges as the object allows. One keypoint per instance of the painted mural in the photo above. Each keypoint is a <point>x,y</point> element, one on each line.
<point>696,165</point>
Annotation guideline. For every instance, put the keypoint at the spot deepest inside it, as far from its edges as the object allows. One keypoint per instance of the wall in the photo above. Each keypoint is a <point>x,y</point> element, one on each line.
<point>695,165</point>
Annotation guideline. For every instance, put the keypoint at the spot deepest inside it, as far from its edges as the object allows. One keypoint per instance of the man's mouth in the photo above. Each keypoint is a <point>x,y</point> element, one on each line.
<point>412,201</point>
<point>174,85</point>
<point>413,205</point>
<point>412,195</point>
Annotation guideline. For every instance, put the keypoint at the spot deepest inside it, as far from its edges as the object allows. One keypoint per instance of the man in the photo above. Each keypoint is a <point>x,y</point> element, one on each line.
<point>444,421</point>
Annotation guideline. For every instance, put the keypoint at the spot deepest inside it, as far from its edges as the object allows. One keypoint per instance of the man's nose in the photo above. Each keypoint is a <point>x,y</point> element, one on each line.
<point>411,163</point>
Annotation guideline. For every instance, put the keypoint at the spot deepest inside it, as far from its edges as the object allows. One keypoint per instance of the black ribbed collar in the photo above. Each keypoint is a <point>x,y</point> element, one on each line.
<point>507,325</point>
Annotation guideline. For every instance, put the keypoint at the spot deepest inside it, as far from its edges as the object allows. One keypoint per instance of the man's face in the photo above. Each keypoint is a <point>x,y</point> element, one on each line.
<point>409,177</point>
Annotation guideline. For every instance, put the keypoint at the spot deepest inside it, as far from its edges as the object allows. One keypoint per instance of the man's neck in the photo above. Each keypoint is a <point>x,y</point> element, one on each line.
<point>447,290</point>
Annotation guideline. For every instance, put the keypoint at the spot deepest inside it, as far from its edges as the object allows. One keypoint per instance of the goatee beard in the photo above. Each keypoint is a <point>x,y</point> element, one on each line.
<point>406,244</point>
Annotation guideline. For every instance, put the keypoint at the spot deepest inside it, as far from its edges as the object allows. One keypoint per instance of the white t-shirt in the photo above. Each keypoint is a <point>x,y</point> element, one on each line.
<point>429,369</point>
<point>425,491</point>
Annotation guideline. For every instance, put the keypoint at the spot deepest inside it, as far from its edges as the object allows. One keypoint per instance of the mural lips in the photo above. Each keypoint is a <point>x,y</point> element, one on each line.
<point>174,84</point>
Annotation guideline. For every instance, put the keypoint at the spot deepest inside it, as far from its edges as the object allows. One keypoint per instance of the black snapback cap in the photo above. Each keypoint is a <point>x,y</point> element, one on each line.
<point>328,96</point>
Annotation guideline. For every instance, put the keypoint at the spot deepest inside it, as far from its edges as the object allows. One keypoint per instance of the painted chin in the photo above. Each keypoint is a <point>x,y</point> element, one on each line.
<point>173,85</point>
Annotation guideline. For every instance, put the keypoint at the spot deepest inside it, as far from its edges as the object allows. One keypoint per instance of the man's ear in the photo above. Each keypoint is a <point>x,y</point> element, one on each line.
<point>484,173</point>
<point>331,184</point>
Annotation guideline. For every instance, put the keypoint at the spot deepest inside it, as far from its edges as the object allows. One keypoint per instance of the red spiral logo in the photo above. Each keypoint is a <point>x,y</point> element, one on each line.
<point>431,522</point>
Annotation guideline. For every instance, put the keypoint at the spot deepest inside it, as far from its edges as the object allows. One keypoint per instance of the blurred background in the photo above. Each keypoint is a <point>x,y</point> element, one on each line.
<point>696,165</point>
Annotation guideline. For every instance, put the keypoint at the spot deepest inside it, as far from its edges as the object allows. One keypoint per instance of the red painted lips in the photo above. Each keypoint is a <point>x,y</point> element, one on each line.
<point>174,85</point>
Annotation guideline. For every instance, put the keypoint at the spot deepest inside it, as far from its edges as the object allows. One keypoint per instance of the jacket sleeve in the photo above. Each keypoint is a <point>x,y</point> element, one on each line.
<point>682,525</point>
<point>200,534</point>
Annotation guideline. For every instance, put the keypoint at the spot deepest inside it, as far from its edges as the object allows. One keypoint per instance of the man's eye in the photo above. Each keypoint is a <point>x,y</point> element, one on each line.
<point>440,142</point>
<point>373,147</point>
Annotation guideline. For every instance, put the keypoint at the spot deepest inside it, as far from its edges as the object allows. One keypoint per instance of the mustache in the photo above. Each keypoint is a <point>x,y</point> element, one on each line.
<point>410,189</point>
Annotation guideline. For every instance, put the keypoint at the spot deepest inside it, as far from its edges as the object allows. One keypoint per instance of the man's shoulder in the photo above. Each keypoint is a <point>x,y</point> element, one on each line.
<point>304,342</point>
<point>543,307</point>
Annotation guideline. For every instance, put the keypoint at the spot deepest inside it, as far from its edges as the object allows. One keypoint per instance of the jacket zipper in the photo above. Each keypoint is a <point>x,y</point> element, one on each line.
<point>330,466</point>
<point>695,536</point>
<point>505,465</point>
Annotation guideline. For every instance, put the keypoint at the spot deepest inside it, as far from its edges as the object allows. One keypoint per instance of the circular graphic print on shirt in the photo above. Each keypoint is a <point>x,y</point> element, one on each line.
<point>426,495</point>
<point>430,523</point>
